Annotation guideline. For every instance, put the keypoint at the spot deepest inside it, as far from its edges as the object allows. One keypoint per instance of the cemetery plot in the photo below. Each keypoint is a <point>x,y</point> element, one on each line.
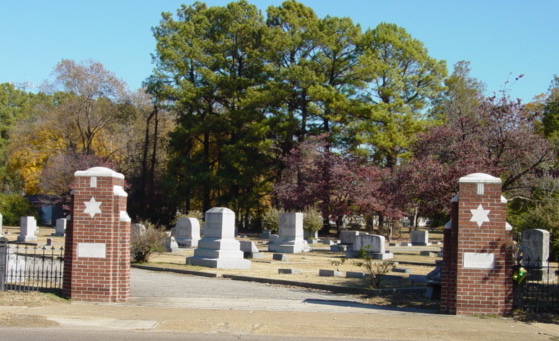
<point>33,266</point>
<point>308,266</point>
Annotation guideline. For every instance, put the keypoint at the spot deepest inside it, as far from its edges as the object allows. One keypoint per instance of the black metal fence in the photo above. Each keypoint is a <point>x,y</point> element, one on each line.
<point>538,291</point>
<point>30,268</point>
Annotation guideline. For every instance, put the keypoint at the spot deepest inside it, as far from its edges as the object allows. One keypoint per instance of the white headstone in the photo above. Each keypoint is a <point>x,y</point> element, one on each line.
<point>420,238</point>
<point>219,248</point>
<point>291,235</point>
<point>28,228</point>
<point>171,244</point>
<point>15,269</point>
<point>535,248</point>
<point>372,244</point>
<point>60,227</point>
<point>138,230</point>
<point>187,232</point>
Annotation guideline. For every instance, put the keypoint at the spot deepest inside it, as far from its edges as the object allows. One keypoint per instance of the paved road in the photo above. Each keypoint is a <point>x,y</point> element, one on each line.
<point>172,307</point>
<point>161,289</point>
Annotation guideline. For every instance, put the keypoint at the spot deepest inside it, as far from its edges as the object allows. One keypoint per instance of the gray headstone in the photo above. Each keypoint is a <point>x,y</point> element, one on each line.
<point>280,257</point>
<point>187,232</point>
<point>348,237</point>
<point>249,249</point>
<point>291,235</point>
<point>372,244</point>
<point>329,273</point>
<point>289,271</point>
<point>248,246</point>
<point>420,238</point>
<point>219,248</point>
<point>28,228</point>
<point>60,227</point>
<point>535,248</point>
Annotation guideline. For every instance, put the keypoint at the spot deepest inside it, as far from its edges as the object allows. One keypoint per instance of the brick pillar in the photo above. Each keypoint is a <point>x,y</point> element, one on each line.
<point>97,255</point>
<point>477,253</point>
<point>449,266</point>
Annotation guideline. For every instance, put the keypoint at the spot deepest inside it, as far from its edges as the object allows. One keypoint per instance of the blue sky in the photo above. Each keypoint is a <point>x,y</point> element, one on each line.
<point>501,39</point>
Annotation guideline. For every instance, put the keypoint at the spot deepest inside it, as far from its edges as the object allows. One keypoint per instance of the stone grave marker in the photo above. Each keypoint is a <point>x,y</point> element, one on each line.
<point>535,248</point>
<point>329,273</point>
<point>187,232</point>
<point>373,244</point>
<point>219,248</point>
<point>171,244</point>
<point>291,235</point>
<point>138,230</point>
<point>15,269</point>
<point>249,249</point>
<point>420,238</point>
<point>289,271</point>
<point>60,227</point>
<point>348,237</point>
<point>28,228</point>
<point>280,257</point>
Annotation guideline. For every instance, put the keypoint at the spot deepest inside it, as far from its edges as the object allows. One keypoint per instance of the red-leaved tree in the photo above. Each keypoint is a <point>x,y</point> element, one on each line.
<point>338,185</point>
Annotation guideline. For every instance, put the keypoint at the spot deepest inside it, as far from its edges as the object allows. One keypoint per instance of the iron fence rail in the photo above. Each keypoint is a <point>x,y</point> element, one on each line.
<point>32,268</point>
<point>538,292</point>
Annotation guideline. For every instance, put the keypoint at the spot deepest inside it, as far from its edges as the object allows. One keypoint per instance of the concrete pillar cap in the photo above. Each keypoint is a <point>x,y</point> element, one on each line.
<point>480,178</point>
<point>100,172</point>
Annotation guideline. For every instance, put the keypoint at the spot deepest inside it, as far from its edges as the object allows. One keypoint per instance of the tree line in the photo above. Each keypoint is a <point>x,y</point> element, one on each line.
<point>281,109</point>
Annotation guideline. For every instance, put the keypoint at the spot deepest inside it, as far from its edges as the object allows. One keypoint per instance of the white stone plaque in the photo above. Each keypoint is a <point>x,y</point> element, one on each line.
<point>92,250</point>
<point>479,260</point>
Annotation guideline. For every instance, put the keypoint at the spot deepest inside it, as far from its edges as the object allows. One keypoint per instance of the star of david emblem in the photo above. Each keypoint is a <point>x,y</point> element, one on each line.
<point>480,215</point>
<point>92,207</point>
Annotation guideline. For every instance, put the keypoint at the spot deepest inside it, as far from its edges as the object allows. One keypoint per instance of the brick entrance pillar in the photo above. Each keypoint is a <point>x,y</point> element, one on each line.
<point>477,253</point>
<point>97,255</point>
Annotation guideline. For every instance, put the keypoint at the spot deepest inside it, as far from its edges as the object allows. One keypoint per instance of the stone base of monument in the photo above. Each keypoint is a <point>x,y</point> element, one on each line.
<point>289,246</point>
<point>184,242</point>
<point>220,263</point>
<point>219,254</point>
<point>26,239</point>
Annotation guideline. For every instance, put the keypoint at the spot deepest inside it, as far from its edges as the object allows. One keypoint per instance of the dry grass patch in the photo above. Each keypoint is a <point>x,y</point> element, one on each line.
<point>308,263</point>
<point>30,299</point>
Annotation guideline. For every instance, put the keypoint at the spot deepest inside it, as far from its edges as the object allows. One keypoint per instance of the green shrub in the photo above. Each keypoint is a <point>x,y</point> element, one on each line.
<point>13,207</point>
<point>312,220</point>
<point>143,246</point>
<point>374,269</point>
<point>270,220</point>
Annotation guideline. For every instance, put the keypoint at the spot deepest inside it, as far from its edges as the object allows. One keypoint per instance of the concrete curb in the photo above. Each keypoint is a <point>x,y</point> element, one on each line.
<point>332,288</point>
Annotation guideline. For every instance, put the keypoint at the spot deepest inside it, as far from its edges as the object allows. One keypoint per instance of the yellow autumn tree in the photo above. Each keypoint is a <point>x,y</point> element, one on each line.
<point>80,126</point>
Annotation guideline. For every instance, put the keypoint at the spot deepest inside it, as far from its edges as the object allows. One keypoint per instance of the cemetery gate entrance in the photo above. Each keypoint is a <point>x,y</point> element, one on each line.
<point>28,267</point>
